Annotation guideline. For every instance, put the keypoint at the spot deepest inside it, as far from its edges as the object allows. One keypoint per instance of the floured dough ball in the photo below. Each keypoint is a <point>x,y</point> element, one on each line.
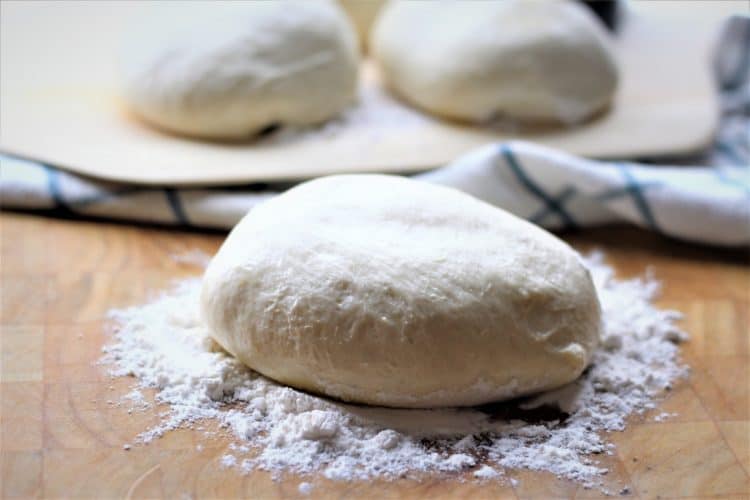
<point>388,291</point>
<point>363,14</point>
<point>227,70</point>
<point>533,60</point>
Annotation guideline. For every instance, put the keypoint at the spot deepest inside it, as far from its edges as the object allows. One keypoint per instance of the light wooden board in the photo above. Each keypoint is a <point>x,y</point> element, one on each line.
<point>59,105</point>
<point>61,438</point>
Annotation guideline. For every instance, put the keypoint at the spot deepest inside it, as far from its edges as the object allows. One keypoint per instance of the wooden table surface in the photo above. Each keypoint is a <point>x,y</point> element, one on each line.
<point>61,438</point>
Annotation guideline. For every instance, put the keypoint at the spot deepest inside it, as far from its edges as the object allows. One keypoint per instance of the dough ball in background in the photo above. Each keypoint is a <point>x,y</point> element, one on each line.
<point>226,70</point>
<point>533,60</point>
<point>388,291</point>
<point>363,14</point>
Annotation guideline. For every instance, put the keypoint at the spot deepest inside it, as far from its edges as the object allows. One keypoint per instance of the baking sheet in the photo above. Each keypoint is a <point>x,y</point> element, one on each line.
<point>60,105</point>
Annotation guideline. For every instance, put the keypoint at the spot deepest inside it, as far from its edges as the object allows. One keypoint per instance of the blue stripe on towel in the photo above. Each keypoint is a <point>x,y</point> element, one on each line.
<point>53,184</point>
<point>729,181</point>
<point>635,189</point>
<point>567,193</point>
<point>175,204</point>
<point>551,204</point>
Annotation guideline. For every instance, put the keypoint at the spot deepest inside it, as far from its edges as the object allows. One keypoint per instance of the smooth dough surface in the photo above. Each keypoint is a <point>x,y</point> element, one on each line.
<point>388,291</point>
<point>227,70</point>
<point>533,60</point>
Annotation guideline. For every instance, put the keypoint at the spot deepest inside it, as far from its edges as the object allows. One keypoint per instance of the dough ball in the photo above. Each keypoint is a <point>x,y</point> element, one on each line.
<point>227,70</point>
<point>363,14</point>
<point>533,60</point>
<point>388,291</point>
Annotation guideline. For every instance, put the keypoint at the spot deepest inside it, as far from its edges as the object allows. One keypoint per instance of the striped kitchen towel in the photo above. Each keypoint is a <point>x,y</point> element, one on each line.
<point>708,204</point>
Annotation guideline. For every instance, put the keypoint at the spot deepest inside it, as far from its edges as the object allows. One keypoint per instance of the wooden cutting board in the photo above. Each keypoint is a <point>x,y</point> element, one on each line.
<point>60,436</point>
<point>60,105</point>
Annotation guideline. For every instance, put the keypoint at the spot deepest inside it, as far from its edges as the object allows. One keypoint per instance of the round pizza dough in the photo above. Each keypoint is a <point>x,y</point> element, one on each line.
<point>227,70</point>
<point>532,60</point>
<point>388,291</point>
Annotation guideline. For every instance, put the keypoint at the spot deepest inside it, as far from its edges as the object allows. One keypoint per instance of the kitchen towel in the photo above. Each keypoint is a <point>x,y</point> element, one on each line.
<point>707,204</point>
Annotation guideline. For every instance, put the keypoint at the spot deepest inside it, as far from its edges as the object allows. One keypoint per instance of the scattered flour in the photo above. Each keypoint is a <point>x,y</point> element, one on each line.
<point>136,400</point>
<point>193,257</point>
<point>163,345</point>
<point>305,488</point>
<point>664,416</point>
<point>486,472</point>
<point>240,448</point>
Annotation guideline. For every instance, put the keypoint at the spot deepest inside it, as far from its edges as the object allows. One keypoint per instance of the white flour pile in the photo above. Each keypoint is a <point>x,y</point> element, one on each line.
<point>279,429</point>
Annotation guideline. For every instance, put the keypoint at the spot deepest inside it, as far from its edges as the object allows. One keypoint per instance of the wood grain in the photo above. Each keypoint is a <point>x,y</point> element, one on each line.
<point>62,435</point>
